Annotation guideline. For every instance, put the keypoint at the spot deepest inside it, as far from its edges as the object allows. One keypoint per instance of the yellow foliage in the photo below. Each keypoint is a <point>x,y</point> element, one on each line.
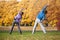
<point>9,9</point>
<point>53,25</point>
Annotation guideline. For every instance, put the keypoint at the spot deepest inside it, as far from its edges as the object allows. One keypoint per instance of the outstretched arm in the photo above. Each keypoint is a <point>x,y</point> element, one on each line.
<point>44,8</point>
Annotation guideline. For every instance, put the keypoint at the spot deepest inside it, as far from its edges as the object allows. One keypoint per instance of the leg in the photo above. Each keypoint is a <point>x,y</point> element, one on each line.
<point>42,27</point>
<point>12,27</point>
<point>34,28</point>
<point>19,28</point>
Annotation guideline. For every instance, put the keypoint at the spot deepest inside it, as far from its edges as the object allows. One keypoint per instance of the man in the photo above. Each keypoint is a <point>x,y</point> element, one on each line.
<point>40,18</point>
<point>17,19</point>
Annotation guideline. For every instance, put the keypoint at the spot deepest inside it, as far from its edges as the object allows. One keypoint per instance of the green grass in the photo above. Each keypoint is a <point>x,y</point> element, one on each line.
<point>54,35</point>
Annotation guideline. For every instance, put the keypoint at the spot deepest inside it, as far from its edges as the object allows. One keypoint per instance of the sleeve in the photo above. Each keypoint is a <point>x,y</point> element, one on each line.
<point>44,8</point>
<point>15,17</point>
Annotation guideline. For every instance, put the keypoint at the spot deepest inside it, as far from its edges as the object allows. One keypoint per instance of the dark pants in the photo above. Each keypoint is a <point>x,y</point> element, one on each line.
<point>14,22</point>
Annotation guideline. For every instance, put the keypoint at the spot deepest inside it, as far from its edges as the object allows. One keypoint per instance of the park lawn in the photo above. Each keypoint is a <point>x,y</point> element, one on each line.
<point>39,35</point>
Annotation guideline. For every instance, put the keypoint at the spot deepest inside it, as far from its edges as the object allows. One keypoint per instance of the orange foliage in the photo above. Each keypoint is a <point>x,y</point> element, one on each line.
<point>9,9</point>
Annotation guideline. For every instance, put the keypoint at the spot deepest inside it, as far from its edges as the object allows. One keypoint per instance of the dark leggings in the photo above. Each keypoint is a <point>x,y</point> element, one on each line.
<point>17,25</point>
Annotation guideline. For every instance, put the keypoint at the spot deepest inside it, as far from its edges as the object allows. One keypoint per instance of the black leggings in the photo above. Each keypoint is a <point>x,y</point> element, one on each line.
<point>17,25</point>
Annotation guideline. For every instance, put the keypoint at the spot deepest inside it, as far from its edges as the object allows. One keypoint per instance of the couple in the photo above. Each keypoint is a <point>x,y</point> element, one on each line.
<point>40,17</point>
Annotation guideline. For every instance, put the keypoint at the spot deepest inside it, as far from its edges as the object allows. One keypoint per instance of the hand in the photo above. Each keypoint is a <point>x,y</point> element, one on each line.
<point>48,3</point>
<point>41,21</point>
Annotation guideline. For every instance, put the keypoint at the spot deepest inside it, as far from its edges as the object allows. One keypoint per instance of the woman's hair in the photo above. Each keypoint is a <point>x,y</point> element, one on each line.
<point>46,12</point>
<point>22,13</point>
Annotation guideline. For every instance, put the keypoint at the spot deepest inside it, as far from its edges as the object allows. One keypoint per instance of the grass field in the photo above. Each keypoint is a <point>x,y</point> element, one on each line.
<point>39,35</point>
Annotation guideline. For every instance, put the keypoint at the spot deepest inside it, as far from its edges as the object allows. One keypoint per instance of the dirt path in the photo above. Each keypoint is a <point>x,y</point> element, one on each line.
<point>27,28</point>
